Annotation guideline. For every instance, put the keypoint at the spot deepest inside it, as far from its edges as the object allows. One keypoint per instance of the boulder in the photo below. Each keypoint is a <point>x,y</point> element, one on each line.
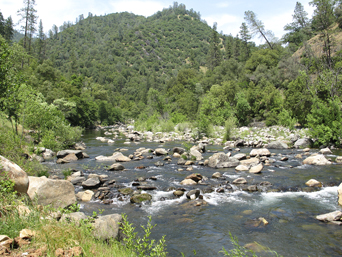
<point>313,183</point>
<point>339,191</point>
<point>217,175</point>
<point>217,158</point>
<point>85,196</point>
<point>62,154</point>
<point>240,156</point>
<point>126,191</point>
<point>193,194</point>
<point>188,182</point>
<point>14,172</point>
<point>75,217</point>
<point>108,226</point>
<point>116,166</point>
<point>303,143</point>
<point>240,181</point>
<point>139,198</point>
<point>196,153</point>
<point>146,187</point>
<point>260,152</point>
<point>76,181</point>
<point>330,217</point>
<point>160,151</point>
<point>231,163</point>
<point>242,167</point>
<point>48,154</point>
<point>251,161</point>
<point>317,159</point>
<point>90,183</point>
<point>256,169</point>
<point>325,151</point>
<point>338,159</point>
<point>178,150</point>
<point>195,177</point>
<point>277,145</point>
<point>58,193</point>
<point>178,193</point>
<point>70,157</point>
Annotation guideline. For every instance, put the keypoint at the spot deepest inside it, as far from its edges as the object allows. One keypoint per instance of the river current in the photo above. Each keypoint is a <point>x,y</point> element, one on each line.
<point>292,229</point>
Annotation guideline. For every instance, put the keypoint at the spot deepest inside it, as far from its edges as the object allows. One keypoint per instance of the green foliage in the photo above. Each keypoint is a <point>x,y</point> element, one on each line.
<point>325,121</point>
<point>142,246</point>
<point>66,173</point>
<point>230,124</point>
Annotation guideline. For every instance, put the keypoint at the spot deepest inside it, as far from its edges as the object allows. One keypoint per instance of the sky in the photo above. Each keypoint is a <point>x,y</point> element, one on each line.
<point>228,14</point>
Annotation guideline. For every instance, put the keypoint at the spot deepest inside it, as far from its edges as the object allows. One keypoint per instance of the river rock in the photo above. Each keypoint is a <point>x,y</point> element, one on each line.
<point>240,156</point>
<point>231,163</point>
<point>122,158</point>
<point>313,183</point>
<point>217,175</point>
<point>48,154</point>
<point>188,182</point>
<point>62,154</point>
<point>318,159</point>
<point>303,143</point>
<point>240,181</point>
<point>176,155</point>
<point>339,191</point>
<point>85,196</point>
<point>338,159</point>
<point>139,198</point>
<point>107,227</point>
<point>58,193</point>
<point>160,151</point>
<point>196,153</point>
<point>77,181</point>
<point>330,217</point>
<point>188,163</point>
<point>277,145</point>
<point>260,152</point>
<point>178,150</point>
<point>256,169</point>
<point>325,151</point>
<point>126,191</point>
<point>217,158</point>
<point>193,194</point>
<point>181,161</point>
<point>70,157</point>
<point>178,193</point>
<point>116,166</point>
<point>251,161</point>
<point>14,172</point>
<point>242,167</point>
<point>146,187</point>
<point>195,177</point>
<point>92,182</point>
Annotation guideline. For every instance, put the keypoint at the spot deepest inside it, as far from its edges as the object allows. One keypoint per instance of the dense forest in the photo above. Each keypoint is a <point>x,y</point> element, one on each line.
<point>171,68</point>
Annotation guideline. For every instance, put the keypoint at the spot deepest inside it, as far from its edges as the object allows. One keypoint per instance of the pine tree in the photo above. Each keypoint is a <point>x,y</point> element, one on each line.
<point>245,37</point>
<point>41,42</point>
<point>214,54</point>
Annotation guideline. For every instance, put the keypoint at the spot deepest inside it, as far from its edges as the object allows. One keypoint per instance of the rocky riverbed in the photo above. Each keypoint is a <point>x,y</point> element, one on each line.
<point>264,186</point>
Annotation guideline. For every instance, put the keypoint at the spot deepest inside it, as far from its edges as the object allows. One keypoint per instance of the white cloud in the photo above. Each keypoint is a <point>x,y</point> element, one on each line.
<point>223,5</point>
<point>227,23</point>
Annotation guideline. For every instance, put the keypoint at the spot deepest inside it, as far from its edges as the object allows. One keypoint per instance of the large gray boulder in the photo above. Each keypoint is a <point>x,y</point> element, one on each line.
<point>316,159</point>
<point>15,173</point>
<point>62,154</point>
<point>231,163</point>
<point>160,151</point>
<point>303,143</point>
<point>108,226</point>
<point>277,145</point>
<point>194,151</point>
<point>260,152</point>
<point>217,158</point>
<point>58,193</point>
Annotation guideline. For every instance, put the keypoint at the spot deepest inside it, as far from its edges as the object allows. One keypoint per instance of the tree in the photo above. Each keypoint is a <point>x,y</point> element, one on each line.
<point>257,27</point>
<point>245,37</point>
<point>6,28</point>
<point>41,42</point>
<point>28,16</point>
<point>299,28</point>
<point>323,18</point>
<point>214,55</point>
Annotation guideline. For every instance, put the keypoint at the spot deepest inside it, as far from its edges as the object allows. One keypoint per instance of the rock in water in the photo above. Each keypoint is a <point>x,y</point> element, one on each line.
<point>141,198</point>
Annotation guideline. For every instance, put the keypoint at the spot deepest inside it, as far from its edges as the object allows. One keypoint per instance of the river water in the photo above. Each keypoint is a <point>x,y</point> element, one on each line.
<point>292,229</point>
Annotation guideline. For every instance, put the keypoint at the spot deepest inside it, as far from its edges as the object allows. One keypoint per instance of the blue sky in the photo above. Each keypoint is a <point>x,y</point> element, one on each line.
<point>228,14</point>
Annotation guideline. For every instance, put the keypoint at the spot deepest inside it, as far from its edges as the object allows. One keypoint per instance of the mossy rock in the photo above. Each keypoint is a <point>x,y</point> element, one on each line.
<point>141,198</point>
<point>126,191</point>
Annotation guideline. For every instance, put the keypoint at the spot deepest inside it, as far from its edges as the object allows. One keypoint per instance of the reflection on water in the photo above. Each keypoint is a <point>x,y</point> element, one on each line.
<point>291,230</point>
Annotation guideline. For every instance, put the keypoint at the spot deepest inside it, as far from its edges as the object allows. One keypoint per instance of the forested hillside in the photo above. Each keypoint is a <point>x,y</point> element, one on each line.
<point>172,68</point>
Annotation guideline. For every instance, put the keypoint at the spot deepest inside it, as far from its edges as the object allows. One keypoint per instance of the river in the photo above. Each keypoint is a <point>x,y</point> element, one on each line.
<point>292,229</point>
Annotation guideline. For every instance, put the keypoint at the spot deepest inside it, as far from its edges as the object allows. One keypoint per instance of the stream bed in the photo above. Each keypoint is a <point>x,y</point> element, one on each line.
<point>290,210</point>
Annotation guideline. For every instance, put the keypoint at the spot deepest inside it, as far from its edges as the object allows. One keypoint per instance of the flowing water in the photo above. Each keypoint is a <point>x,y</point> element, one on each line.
<point>292,229</point>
